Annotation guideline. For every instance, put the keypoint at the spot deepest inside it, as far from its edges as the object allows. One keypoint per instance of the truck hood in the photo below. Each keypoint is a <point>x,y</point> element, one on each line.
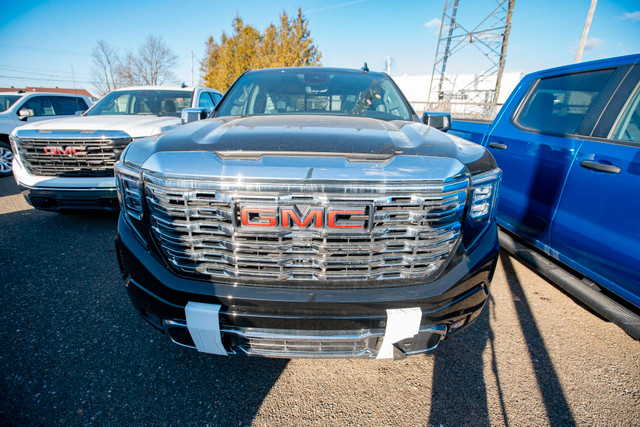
<point>135,126</point>
<point>351,139</point>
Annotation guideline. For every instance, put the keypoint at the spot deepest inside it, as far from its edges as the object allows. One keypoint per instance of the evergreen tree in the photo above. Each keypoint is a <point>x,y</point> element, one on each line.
<point>288,45</point>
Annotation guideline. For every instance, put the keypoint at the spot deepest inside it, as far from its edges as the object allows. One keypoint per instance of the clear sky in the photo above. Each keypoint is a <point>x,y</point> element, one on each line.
<point>42,42</point>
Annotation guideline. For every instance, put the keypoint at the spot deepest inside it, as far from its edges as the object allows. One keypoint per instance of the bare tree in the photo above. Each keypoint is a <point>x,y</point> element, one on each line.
<point>105,69</point>
<point>127,73</point>
<point>152,64</point>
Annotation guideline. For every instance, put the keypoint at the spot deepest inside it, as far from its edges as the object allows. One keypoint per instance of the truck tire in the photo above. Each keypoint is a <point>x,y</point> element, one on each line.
<point>6,156</point>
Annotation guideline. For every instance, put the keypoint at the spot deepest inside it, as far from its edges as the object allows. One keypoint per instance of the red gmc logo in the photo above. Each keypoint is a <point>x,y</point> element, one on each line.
<point>315,217</point>
<point>62,151</point>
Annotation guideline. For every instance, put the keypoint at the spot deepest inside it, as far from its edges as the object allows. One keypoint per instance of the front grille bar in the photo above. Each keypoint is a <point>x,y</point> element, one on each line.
<point>363,343</point>
<point>198,230</point>
<point>70,153</point>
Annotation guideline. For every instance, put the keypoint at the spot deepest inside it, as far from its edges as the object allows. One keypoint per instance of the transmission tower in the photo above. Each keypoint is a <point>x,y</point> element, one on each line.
<point>489,34</point>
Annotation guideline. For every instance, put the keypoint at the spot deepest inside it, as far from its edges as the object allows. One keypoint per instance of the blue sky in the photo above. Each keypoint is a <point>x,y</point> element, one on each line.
<point>42,42</point>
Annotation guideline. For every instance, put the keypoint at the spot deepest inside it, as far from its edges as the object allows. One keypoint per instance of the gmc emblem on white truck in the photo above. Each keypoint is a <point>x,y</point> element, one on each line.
<point>69,150</point>
<point>346,218</point>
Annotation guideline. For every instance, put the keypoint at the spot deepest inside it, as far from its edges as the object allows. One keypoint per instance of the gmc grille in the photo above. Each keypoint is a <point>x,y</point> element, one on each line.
<point>408,231</point>
<point>54,154</point>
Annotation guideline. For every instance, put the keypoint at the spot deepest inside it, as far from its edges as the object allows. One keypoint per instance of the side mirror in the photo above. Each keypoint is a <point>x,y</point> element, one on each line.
<point>437,119</point>
<point>193,114</point>
<point>25,113</point>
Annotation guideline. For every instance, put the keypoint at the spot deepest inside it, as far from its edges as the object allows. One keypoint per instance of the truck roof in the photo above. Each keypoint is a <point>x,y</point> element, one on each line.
<point>186,89</point>
<point>619,60</point>
<point>42,94</point>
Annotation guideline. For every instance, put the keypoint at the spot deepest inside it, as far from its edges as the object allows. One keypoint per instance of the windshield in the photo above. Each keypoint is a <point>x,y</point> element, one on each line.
<point>142,102</point>
<point>7,101</point>
<point>315,91</point>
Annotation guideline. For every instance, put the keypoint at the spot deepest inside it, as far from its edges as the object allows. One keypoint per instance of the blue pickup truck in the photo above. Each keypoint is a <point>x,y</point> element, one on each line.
<point>568,142</point>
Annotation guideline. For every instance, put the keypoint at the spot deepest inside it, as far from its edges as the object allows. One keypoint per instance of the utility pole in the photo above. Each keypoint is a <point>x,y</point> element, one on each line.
<point>503,53</point>
<point>192,85</point>
<point>585,31</point>
<point>73,75</point>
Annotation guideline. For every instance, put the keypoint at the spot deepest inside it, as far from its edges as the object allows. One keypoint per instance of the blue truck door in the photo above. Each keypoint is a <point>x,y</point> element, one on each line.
<point>597,228</point>
<point>536,146</point>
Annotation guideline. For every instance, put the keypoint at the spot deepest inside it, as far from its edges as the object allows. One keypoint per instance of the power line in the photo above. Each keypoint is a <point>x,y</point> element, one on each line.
<point>34,69</point>
<point>45,80</point>
<point>42,74</point>
<point>42,49</point>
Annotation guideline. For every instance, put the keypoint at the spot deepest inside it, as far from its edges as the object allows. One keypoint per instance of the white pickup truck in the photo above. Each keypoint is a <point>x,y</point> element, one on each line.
<point>21,108</point>
<point>67,164</point>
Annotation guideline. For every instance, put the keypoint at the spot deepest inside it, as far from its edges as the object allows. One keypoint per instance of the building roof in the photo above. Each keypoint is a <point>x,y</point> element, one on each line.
<point>47,89</point>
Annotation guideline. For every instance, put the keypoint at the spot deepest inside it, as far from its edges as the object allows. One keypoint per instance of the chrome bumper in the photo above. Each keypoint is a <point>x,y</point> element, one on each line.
<point>291,343</point>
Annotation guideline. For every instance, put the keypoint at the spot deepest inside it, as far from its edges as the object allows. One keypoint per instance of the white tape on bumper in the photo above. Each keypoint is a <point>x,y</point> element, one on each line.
<point>402,323</point>
<point>203,323</point>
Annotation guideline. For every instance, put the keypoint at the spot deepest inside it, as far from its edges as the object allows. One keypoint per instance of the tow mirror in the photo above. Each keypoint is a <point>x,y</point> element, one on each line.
<point>437,119</point>
<point>193,115</point>
<point>25,113</point>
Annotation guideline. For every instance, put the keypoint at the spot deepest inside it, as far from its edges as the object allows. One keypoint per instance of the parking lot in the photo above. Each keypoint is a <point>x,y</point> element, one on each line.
<point>73,351</point>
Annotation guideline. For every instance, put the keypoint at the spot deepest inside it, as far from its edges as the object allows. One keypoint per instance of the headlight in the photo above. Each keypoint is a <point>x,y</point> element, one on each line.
<point>484,195</point>
<point>130,192</point>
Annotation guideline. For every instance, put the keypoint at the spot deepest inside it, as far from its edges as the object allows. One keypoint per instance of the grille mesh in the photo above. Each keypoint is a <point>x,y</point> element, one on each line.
<point>302,346</point>
<point>101,155</point>
<point>408,234</point>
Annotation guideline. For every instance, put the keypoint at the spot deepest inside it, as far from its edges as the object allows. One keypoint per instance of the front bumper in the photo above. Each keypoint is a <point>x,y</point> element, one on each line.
<point>53,199</point>
<point>285,322</point>
<point>60,193</point>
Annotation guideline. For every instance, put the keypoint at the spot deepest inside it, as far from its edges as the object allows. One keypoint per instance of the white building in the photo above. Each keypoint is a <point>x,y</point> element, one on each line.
<point>465,86</point>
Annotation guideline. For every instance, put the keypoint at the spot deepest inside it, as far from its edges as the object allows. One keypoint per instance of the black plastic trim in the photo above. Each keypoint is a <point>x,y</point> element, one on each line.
<point>71,200</point>
<point>580,288</point>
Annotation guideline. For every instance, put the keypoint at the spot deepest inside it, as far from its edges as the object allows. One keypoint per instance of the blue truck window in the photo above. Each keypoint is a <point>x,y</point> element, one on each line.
<point>558,104</point>
<point>628,126</point>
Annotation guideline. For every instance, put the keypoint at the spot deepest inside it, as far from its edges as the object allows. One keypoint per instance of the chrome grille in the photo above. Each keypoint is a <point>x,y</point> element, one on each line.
<point>50,154</point>
<point>284,343</point>
<point>409,231</point>
<point>363,343</point>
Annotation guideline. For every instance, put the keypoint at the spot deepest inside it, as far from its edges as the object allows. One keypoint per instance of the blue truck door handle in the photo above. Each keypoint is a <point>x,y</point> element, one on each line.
<point>599,166</point>
<point>498,145</point>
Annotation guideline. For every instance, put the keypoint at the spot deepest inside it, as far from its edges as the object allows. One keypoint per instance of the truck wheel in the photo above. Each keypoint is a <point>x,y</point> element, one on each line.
<point>6,156</point>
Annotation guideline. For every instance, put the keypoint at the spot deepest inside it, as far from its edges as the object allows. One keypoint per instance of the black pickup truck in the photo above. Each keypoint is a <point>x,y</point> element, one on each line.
<point>313,215</point>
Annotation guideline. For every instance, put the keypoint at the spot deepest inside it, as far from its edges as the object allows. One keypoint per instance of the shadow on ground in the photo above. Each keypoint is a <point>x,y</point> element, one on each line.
<point>460,361</point>
<point>73,350</point>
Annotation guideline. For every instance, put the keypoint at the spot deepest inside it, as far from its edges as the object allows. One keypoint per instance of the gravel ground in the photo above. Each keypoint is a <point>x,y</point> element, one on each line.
<point>74,352</point>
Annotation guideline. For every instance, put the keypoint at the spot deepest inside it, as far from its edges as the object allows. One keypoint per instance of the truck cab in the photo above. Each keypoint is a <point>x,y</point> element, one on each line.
<point>21,108</point>
<point>568,142</point>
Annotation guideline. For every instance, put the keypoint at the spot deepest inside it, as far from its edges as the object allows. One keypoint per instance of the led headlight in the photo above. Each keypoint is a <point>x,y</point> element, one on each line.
<point>484,195</point>
<point>130,193</point>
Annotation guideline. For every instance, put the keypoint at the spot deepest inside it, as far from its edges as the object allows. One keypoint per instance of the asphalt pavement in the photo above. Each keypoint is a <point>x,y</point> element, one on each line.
<point>74,352</point>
